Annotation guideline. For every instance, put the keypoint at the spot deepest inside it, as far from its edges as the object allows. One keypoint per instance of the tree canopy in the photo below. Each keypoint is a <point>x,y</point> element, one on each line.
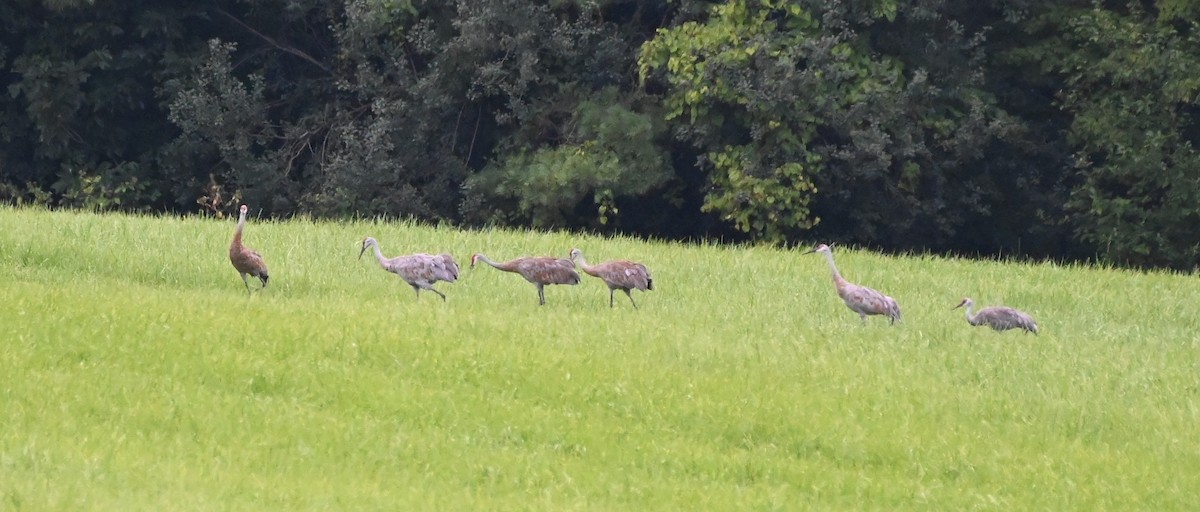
<point>1060,129</point>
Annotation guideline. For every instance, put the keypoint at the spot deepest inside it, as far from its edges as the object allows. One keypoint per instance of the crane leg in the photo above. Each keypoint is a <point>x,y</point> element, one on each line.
<point>245,282</point>
<point>437,292</point>
<point>630,295</point>
<point>416,289</point>
<point>610,296</point>
<point>541,295</point>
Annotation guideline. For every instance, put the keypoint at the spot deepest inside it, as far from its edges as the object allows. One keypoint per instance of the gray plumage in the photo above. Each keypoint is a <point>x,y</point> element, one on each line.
<point>247,261</point>
<point>621,275</point>
<point>419,270</point>
<point>540,271</point>
<point>859,299</point>
<point>1000,318</point>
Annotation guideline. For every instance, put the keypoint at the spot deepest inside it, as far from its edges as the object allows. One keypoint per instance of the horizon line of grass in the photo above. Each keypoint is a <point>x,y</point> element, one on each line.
<point>140,375</point>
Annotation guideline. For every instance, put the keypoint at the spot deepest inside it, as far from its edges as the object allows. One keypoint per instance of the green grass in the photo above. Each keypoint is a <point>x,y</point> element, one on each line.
<point>136,374</point>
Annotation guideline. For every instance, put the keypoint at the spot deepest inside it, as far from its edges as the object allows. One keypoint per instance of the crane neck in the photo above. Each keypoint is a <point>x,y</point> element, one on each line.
<point>241,225</point>
<point>583,265</point>
<point>379,254</point>
<point>489,261</point>
<point>837,276</point>
<point>579,260</point>
<point>968,311</point>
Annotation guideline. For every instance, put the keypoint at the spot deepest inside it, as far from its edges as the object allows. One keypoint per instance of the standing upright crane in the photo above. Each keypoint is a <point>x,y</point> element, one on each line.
<point>247,261</point>
<point>999,318</point>
<point>540,271</point>
<point>621,275</point>
<point>860,299</point>
<point>419,270</point>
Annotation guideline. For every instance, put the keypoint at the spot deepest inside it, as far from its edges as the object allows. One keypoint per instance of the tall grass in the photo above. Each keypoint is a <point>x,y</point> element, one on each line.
<point>138,374</point>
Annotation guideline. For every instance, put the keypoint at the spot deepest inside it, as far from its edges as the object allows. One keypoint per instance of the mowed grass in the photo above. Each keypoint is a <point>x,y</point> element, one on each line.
<point>136,374</point>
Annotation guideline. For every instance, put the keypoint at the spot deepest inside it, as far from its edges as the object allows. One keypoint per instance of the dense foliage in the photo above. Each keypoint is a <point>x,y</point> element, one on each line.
<point>1062,129</point>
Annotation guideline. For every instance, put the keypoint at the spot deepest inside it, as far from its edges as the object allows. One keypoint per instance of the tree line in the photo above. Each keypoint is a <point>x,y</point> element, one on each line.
<point>1058,129</point>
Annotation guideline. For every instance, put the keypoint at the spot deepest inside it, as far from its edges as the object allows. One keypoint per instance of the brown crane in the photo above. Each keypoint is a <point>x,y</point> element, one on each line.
<point>621,275</point>
<point>860,299</point>
<point>419,270</point>
<point>999,318</point>
<point>540,271</point>
<point>247,261</point>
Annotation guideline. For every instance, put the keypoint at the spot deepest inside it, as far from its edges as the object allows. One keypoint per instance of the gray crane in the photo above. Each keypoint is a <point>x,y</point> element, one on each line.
<point>860,299</point>
<point>999,318</point>
<point>247,261</point>
<point>419,270</point>
<point>621,275</point>
<point>540,271</point>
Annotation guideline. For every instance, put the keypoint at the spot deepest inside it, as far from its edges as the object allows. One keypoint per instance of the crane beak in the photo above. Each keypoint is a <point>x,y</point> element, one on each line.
<point>364,250</point>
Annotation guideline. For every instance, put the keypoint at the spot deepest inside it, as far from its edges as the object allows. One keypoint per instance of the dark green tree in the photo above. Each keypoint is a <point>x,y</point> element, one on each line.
<point>573,138</point>
<point>808,112</point>
<point>80,117</point>
<point>1129,75</point>
<point>257,110</point>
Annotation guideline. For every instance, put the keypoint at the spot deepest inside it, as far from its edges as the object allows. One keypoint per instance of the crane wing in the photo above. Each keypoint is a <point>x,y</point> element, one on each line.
<point>865,300</point>
<point>635,275</point>
<point>1002,318</point>
<point>451,267</point>
<point>548,270</point>
<point>248,261</point>
<point>421,269</point>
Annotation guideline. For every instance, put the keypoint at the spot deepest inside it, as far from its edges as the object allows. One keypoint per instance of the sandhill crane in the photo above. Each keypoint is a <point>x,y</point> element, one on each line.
<point>246,260</point>
<point>1000,318</point>
<point>618,275</point>
<point>419,270</point>
<point>860,299</point>
<point>540,271</point>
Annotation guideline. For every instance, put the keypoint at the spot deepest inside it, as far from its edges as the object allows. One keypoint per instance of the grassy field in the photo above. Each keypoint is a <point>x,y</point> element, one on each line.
<point>136,374</point>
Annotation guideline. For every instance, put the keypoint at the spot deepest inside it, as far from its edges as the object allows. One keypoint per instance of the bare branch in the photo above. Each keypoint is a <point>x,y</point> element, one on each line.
<point>273,42</point>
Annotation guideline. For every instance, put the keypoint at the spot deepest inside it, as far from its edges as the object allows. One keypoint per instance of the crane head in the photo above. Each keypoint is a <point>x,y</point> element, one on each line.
<point>474,258</point>
<point>965,302</point>
<point>243,209</point>
<point>822,248</point>
<point>575,253</point>
<point>367,242</point>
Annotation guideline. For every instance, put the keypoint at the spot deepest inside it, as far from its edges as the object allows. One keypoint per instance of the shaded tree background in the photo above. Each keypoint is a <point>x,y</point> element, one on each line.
<point>1017,128</point>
